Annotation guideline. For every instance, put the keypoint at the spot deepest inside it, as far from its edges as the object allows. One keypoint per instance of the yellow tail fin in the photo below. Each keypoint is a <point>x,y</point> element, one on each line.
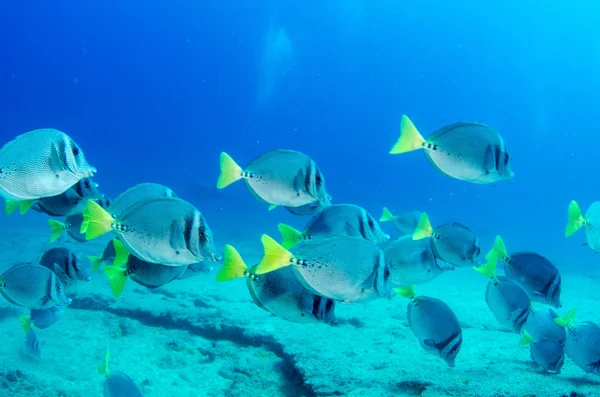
<point>121,253</point>
<point>57,229</point>
<point>576,219</point>
<point>498,251</point>
<point>96,262</point>
<point>275,256</point>
<point>527,339</point>
<point>230,171</point>
<point>103,369</point>
<point>489,269</point>
<point>386,215</point>
<point>410,138</point>
<point>10,206</point>
<point>567,319</point>
<point>423,229</point>
<point>273,206</point>
<point>96,221</point>
<point>117,278</point>
<point>233,265</point>
<point>406,292</point>
<point>26,323</point>
<point>25,205</point>
<point>291,237</point>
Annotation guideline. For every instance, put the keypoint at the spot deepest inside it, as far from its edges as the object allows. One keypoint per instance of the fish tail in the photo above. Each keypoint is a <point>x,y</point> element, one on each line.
<point>117,278</point>
<point>96,221</point>
<point>488,269</point>
<point>567,319</point>
<point>57,229</point>
<point>103,369</point>
<point>386,215</point>
<point>25,205</point>
<point>275,256</point>
<point>291,237</point>
<point>230,171</point>
<point>423,229</point>
<point>121,253</point>
<point>26,323</point>
<point>10,206</point>
<point>498,250</point>
<point>96,262</point>
<point>527,339</point>
<point>233,265</point>
<point>406,292</point>
<point>576,219</point>
<point>410,138</point>
<point>273,206</point>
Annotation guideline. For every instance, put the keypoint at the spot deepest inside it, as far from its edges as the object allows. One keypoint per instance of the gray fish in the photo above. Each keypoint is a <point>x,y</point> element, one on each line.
<point>32,286</point>
<point>467,151</point>
<point>590,223</point>
<point>311,208</point>
<point>509,302</point>
<point>335,220</point>
<point>536,274</point>
<point>72,224</point>
<point>583,346</point>
<point>434,324</point>
<point>117,383</point>
<point>163,230</point>
<point>73,201</point>
<point>548,354</point>
<point>65,265</point>
<point>33,347</point>
<point>42,318</point>
<point>343,268</point>
<point>196,269</point>
<point>108,254</point>
<point>405,221</point>
<point>136,194</point>
<point>278,292</point>
<point>412,262</point>
<point>453,243</point>
<point>540,325</point>
<point>277,177</point>
<point>40,163</point>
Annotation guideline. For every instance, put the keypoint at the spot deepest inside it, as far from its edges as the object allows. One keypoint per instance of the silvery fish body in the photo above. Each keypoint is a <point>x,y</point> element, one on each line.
<point>73,227</point>
<point>311,208</point>
<point>406,221</point>
<point>548,354</point>
<point>32,286</point>
<point>65,265</point>
<point>583,346</point>
<point>41,163</point>
<point>508,302</point>
<point>540,325</point>
<point>196,269</point>
<point>537,275</point>
<point>44,318</point>
<point>119,384</point>
<point>71,202</point>
<point>33,347</point>
<point>591,226</point>
<point>436,327</point>
<point>136,194</point>
<point>456,244</point>
<point>152,275</point>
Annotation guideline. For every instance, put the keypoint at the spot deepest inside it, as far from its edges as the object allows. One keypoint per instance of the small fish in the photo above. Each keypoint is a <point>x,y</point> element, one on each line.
<point>453,243</point>
<point>507,300</point>
<point>277,177</point>
<point>342,268</point>
<point>117,383</point>
<point>278,292</point>
<point>311,208</point>
<point>65,265</point>
<point>71,202</point>
<point>32,286</point>
<point>136,194</point>
<point>547,353</point>
<point>540,325</point>
<point>583,343</point>
<point>590,224</point>
<point>405,221</point>
<point>412,262</point>
<point>335,220</point>
<point>39,163</point>
<point>163,230</point>
<point>109,254</point>
<point>536,274</point>
<point>434,324</point>
<point>466,151</point>
<point>41,318</point>
<point>33,347</point>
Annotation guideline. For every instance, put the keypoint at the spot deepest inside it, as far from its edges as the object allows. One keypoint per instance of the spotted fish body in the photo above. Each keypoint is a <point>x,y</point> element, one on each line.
<point>548,354</point>
<point>456,244</point>
<point>508,302</point>
<point>537,275</point>
<point>41,163</point>
<point>583,346</point>
<point>136,194</point>
<point>436,327</point>
<point>32,286</point>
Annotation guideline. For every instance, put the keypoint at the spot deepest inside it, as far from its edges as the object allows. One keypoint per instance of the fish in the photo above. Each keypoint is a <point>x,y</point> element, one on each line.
<point>583,342</point>
<point>33,287</point>
<point>412,262</point>
<point>71,202</point>
<point>196,269</point>
<point>434,324</point>
<point>547,353</point>
<point>146,274</point>
<point>41,319</point>
<point>405,221</point>
<point>278,292</point>
<point>507,300</point>
<point>65,265</point>
<point>117,383</point>
<point>311,208</point>
<point>162,230</point>
<point>138,193</point>
<point>537,275</point>
<point>540,325</point>
<point>467,151</point>
<point>109,254</point>
<point>40,163</point>
<point>590,224</point>
<point>335,220</point>
<point>453,243</point>
<point>277,177</point>
<point>72,224</point>
<point>33,347</point>
<point>342,268</point>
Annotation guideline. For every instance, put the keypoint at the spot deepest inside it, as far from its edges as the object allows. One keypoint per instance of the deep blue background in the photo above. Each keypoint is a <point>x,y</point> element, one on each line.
<point>154,90</point>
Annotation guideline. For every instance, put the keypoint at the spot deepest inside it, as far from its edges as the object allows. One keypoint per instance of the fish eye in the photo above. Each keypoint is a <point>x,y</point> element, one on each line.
<point>75,151</point>
<point>87,184</point>
<point>386,273</point>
